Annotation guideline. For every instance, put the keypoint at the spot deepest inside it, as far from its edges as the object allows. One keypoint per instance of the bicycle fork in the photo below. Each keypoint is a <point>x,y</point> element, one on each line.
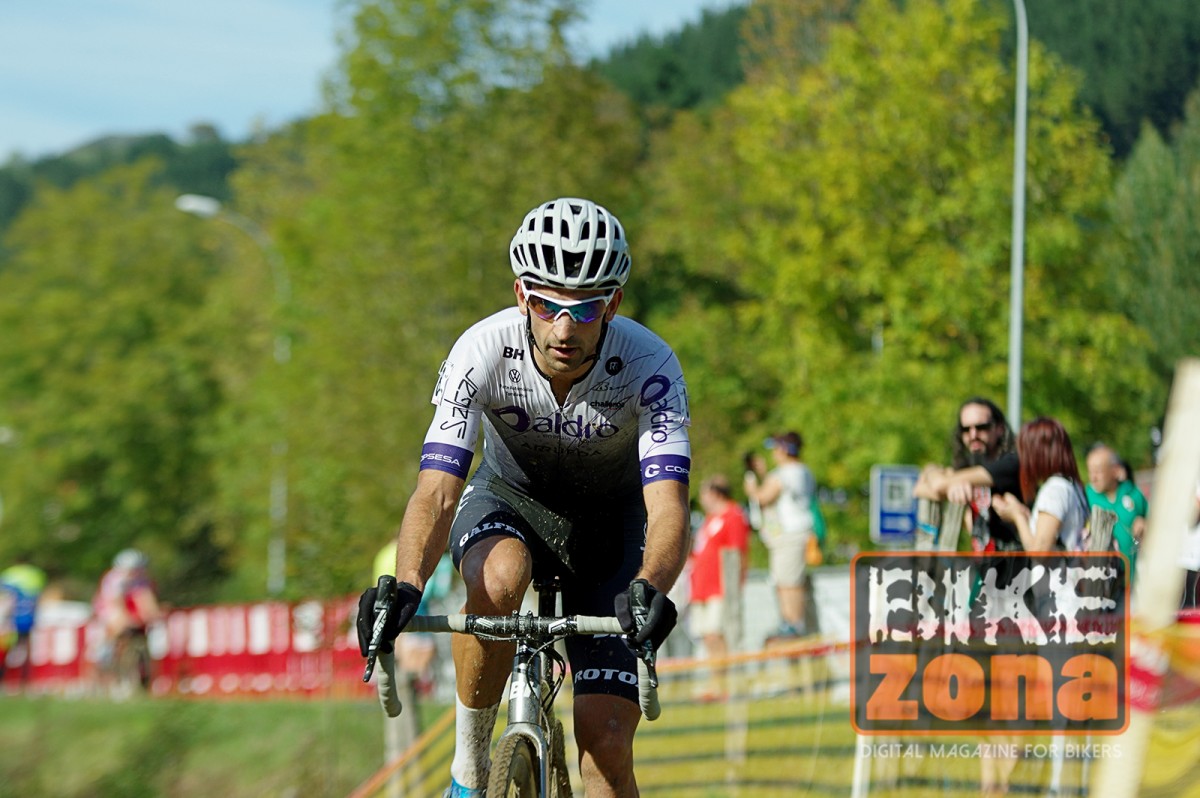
<point>525,708</point>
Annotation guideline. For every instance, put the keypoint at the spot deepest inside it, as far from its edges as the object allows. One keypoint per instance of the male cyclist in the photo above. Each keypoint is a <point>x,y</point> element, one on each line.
<point>125,603</point>
<point>584,475</point>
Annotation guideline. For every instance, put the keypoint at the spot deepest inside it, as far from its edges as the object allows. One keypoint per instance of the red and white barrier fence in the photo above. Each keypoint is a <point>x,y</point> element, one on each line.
<point>268,648</point>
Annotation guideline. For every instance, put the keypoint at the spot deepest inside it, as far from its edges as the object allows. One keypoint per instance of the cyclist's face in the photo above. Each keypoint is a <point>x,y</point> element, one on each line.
<point>564,346</point>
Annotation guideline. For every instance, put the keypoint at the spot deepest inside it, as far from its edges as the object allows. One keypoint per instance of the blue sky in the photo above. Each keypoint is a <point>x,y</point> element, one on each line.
<point>74,70</point>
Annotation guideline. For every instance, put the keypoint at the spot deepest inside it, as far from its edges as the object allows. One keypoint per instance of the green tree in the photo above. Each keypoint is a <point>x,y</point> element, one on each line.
<point>693,66</point>
<point>106,382</point>
<point>870,234</point>
<point>1139,60</point>
<point>1153,267</point>
<point>394,216</point>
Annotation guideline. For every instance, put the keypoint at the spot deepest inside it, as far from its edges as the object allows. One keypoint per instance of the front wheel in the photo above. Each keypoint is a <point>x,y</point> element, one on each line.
<point>515,769</point>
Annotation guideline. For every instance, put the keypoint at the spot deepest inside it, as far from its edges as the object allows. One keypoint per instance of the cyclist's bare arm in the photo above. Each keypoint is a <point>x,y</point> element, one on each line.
<point>426,525</point>
<point>667,521</point>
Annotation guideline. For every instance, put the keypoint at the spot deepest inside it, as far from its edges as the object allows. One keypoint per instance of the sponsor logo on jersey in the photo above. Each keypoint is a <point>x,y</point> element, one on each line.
<point>459,403</point>
<point>614,365</point>
<point>518,419</point>
<point>664,415</point>
<point>666,466</point>
<point>450,459</point>
<point>514,375</point>
<point>440,385</point>
<point>489,528</point>
<point>605,674</point>
<point>514,354</point>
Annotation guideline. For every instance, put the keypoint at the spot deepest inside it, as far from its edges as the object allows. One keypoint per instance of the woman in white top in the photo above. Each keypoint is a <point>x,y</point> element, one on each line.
<point>785,497</point>
<point>1050,473</point>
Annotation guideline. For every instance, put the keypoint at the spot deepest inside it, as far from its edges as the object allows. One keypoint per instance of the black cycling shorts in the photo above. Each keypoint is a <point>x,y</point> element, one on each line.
<point>596,552</point>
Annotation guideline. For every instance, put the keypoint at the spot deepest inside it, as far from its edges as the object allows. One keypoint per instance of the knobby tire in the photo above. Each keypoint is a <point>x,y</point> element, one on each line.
<point>560,778</point>
<point>515,769</point>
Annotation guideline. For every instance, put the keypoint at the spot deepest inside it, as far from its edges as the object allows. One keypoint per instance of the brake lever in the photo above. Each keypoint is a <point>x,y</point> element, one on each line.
<point>385,594</point>
<point>649,656</point>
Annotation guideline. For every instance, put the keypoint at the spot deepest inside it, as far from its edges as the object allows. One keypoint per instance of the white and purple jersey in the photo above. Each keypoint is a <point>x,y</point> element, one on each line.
<point>623,425</point>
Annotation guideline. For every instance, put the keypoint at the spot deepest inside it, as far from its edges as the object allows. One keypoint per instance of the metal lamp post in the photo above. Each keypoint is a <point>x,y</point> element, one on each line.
<point>1016,305</point>
<point>210,208</point>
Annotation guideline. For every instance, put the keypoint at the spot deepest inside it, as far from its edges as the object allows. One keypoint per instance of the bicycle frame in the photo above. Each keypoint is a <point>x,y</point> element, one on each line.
<point>530,695</point>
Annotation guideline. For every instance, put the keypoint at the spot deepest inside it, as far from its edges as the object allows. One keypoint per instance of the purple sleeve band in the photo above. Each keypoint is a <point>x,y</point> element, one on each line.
<point>666,466</point>
<point>451,459</point>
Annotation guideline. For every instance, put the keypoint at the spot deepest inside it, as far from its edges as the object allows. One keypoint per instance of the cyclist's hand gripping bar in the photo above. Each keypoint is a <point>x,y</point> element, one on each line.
<point>385,684</point>
<point>385,592</point>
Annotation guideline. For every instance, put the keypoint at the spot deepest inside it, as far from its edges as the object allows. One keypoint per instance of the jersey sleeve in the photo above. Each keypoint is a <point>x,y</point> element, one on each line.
<point>664,450</point>
<point>450,440</point>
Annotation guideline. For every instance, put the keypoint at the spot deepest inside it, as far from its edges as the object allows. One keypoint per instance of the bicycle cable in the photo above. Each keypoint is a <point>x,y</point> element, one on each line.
<point>558,672</point>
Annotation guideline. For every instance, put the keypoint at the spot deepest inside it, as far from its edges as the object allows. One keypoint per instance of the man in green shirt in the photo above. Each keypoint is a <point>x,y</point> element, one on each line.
<point>1107,490</point>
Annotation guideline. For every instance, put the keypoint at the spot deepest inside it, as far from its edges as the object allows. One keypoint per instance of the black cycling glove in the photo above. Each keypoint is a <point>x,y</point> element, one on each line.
<point>404,607</point>
<point>645,613</point>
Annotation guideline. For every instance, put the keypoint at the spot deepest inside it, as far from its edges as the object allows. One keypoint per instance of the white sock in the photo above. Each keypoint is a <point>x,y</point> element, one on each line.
<point>472,744</point>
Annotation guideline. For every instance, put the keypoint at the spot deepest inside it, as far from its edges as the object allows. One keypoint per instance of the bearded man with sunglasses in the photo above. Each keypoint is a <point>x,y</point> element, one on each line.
<point>584,476</point>
<point>984,464</point>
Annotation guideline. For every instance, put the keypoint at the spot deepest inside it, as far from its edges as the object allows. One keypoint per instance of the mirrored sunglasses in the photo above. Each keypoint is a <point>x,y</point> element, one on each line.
<point>582,311</point>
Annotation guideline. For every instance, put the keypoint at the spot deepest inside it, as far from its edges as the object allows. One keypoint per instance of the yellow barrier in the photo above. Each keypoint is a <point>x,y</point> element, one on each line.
<point>777,723</point>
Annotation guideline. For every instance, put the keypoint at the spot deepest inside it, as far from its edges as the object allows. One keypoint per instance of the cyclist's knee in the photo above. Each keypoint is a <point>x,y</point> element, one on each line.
<point>496,573</point>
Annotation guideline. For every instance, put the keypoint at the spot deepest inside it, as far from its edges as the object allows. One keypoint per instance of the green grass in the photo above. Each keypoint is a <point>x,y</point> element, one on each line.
<point>77,748</point>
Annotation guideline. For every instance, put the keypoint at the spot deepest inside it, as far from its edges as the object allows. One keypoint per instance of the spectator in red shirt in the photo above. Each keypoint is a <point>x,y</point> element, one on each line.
<point>725,527</point>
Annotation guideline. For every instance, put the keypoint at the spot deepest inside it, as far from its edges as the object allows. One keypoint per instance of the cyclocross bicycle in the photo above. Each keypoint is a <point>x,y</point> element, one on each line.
<point>529,760</point>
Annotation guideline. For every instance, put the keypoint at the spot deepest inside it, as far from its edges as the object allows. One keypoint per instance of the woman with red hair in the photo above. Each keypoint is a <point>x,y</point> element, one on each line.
<point>1050,478</point>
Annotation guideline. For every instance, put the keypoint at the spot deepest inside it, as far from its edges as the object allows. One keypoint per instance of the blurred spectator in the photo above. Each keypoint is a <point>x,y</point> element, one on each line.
<point>756,468</point>
<point>1050,478</point>
<point>725,528</point>
<point>416,651</point>
<point>21,587</point>
<point>786,495</point>
<point>1110,488</point>
<point>1191,559</point>
<point>984,463</point>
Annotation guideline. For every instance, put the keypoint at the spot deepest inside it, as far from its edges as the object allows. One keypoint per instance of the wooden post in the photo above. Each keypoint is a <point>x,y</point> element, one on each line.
<point>952,524</point>
<point>731,596</point>
<point>1160,583</point>
<point>401,732</point>
<point>1100,527</point>
<point>929,515</point>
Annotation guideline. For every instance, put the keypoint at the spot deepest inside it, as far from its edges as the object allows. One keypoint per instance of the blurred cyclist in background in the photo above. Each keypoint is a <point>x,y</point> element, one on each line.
<point>21,587</point>
<point>125,604</point>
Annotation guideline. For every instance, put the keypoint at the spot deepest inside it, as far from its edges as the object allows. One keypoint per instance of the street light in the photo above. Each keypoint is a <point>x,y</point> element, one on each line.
<point>210,208</point>
<point>1016,301</point>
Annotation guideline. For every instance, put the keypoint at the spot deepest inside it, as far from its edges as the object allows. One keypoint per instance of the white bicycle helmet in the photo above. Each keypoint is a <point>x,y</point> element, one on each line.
<point>571,243</point>
<point>130,560</point>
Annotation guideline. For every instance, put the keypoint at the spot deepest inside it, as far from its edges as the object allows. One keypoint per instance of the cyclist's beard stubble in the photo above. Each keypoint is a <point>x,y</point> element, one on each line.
<point>564,355</point>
